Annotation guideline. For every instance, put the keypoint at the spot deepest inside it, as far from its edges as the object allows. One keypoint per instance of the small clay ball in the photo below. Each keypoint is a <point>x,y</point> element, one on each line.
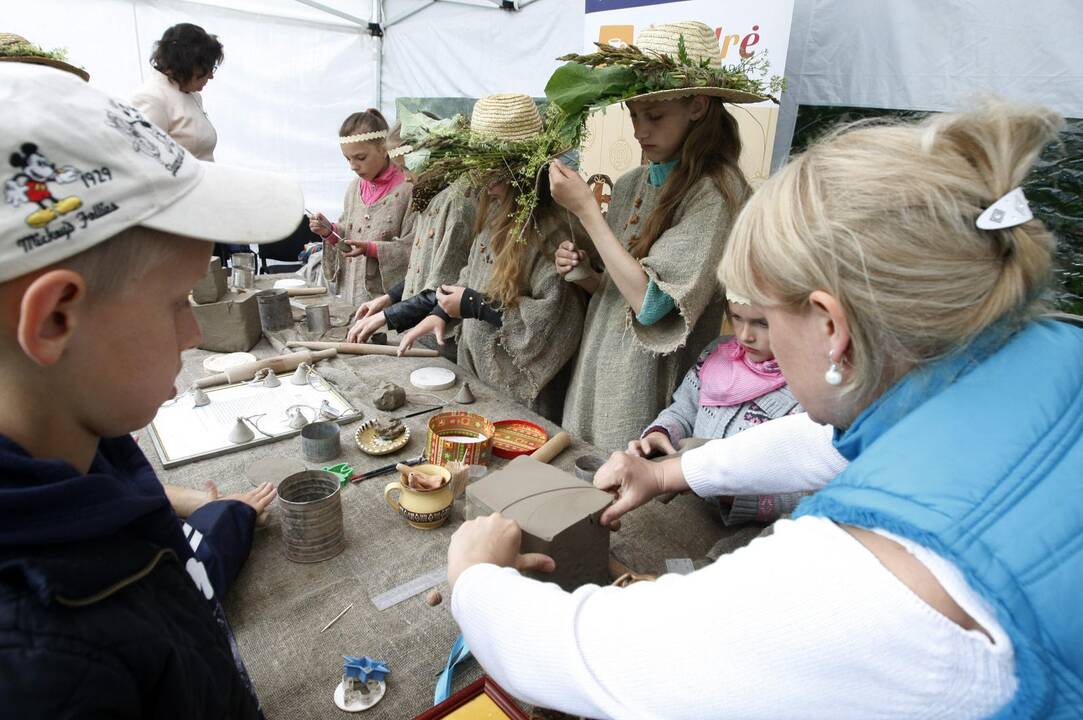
<point>434,598</point>
<point>388,396</point>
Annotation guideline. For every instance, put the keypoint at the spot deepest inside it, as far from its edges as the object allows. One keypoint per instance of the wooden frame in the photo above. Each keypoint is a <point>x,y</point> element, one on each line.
<point>482,686</point>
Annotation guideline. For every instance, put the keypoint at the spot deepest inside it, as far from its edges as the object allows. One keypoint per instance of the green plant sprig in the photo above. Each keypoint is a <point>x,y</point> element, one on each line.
<point>21,49</point>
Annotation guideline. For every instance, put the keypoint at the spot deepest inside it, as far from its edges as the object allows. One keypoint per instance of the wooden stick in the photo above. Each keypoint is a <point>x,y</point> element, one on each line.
<point>361,348</point>
<point>337,617</point>
<point>552,447</point>
<point>279,363</point>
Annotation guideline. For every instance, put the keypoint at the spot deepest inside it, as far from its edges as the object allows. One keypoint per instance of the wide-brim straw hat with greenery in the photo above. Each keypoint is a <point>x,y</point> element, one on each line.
<point>15,48</point>
<point>505,117</point>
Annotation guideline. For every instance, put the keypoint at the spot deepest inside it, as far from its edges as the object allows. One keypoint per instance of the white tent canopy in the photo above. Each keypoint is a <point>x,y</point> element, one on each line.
<point>294,69</point>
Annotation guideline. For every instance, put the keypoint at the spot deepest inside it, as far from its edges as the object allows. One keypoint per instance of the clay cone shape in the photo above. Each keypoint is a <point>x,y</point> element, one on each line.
<point>199,398</point>
<point>270,379</point>
<point>465,397</point>
<point>240,433</point>
<point>300,375</point>
<point>296,418</point>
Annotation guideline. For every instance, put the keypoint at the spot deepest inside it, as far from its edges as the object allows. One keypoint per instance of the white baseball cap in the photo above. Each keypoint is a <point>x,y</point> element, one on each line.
<point>82,166</point>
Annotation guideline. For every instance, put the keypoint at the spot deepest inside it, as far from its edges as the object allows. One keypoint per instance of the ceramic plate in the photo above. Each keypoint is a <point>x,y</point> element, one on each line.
<point>368,441</point>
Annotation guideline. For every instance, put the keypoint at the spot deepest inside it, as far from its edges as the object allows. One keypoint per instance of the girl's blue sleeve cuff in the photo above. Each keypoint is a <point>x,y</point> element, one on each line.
<point>656,305</point>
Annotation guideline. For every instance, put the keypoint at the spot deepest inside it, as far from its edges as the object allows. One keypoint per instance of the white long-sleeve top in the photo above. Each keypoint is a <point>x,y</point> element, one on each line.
<point>179,113</point>
<point>788,454</point>
<point>804,623</point>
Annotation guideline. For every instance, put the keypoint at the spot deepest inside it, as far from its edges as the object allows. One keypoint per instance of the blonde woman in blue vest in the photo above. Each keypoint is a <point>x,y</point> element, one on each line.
<point>940,574</point>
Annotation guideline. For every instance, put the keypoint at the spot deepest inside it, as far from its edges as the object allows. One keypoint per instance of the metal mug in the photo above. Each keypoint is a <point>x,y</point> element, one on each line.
<point>318,318</point>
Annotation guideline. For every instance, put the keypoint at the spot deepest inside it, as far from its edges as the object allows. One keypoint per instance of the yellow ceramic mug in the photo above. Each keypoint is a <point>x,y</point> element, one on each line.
<point>424,509</point>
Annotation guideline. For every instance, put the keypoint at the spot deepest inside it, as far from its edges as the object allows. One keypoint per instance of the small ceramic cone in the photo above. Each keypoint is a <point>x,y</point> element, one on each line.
<point>199,398</point>
<point>465,397</point>
<point>300,375</point>
<point>271,380</point>
<point>240,433</point>
<point>296,419</point>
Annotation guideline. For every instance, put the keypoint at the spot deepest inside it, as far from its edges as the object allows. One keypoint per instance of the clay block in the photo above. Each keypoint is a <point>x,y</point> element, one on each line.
<point>212,286</point>
<point>231,324</point>
<point>388,396</point>
<point>559,514</point>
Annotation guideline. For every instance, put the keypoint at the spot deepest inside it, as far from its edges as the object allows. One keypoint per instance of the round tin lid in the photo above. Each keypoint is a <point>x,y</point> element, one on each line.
<point>517,437</point>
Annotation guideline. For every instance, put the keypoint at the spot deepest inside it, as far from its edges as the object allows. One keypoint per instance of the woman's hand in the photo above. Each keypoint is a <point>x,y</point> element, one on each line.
<point>433,324</point>
<point>450,298</point>
<point>570,190</point>
<point>363,328</point>
<point>320,225</point>
<point>652,445</point>
<point>568,256</point>
<point>491,539</point>
<point>633,480</point>
<point>372,307</point>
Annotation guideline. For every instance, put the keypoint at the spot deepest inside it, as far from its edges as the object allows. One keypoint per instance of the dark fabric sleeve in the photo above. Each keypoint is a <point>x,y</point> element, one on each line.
<point>226,527</point>
<point>405,314</point>
<point>42,683</point>
<point>439,312</point>
<point>395,291</point>
<point>476,306</point>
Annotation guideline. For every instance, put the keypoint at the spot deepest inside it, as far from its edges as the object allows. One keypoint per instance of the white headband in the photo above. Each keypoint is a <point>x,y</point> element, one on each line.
<point>738,299</point>
<point>400,150</point>
<point>363,137</point>
<point>1010,210</point>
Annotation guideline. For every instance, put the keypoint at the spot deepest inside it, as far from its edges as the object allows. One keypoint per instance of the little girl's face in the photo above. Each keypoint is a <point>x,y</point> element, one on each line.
<point>750,329</point>
<point>366,159</point>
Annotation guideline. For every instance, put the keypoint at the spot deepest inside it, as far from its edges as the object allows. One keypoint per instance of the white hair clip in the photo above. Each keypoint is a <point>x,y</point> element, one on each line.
<point>737,299</point>
<point>1010,210</point>
<point>363,137</point>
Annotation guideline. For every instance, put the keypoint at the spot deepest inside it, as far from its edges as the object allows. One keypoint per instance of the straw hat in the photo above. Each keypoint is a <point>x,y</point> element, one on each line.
<point>506,117</point>
<point>700,43</point>
<point>29,53</point>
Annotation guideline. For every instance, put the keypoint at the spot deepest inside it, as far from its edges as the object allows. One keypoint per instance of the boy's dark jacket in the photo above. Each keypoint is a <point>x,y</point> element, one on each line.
<point>105,611</point>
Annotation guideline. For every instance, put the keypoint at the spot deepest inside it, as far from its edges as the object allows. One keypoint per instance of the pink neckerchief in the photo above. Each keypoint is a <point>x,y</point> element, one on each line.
<point>728,377</point>
<point>384,183</point>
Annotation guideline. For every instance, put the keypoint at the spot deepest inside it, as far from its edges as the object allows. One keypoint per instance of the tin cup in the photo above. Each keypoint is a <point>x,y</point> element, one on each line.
<point>275,312</point>
<point>311,506</point>
<point>318,318</point>
<point>320,441</point>
<point>245,260</point>
<point>243,278</point>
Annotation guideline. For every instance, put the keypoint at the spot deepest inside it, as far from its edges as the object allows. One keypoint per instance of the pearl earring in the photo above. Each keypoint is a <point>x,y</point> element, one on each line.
<point>833,376</point>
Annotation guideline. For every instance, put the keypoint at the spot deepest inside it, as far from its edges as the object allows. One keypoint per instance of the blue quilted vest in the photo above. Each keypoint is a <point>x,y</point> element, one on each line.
<point>979,457</point>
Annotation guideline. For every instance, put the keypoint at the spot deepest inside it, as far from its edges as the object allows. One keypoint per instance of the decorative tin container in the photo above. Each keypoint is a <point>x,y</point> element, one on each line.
<point>459,435</point>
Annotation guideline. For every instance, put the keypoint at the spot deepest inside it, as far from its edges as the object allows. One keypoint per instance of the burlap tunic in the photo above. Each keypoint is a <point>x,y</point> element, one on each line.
<point>626,372</point>
<point>441,239</point>
<point>361,278</point>
<point>540,333</point>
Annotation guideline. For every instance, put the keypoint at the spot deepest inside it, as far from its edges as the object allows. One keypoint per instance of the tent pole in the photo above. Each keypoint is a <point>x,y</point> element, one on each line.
<point>377,32</point>
<point>333,11</point>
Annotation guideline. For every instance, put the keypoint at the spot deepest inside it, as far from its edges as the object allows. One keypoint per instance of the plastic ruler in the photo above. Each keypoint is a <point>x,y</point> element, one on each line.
<point>410,588</point>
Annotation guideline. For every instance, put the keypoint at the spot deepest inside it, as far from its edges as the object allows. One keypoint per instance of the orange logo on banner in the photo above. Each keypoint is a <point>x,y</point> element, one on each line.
<point>616,35</point>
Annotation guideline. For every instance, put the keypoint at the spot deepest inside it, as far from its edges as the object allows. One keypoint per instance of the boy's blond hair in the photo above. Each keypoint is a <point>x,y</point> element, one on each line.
<point>882,217</point>
<point>116,265</point>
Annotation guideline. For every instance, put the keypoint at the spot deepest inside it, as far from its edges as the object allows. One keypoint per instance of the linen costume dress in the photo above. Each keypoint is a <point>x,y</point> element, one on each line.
<point>384,222</point>
<point>626,371</point>
<point>537,337</point>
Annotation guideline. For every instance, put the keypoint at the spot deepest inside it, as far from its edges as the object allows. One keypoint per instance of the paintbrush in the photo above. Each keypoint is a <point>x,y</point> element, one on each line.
<point>383,470</point>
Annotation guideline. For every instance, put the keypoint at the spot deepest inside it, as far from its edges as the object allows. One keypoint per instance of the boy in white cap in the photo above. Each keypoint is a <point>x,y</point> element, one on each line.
<point>107,606</point>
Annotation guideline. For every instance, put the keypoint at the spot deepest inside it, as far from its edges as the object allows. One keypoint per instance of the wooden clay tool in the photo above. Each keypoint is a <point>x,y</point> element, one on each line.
<point>361,348</point>
<point>552,447</point>
<point>280,364</point>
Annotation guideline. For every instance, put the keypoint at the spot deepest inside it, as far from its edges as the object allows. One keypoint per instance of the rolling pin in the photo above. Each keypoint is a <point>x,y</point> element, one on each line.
<point>280,363</point>
<point>552,447</point>
<point>301,291</point>
<point>361,348</point>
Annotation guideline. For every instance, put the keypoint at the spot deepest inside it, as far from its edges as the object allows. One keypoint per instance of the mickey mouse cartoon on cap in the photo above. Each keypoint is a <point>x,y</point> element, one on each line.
<point>31,185</point>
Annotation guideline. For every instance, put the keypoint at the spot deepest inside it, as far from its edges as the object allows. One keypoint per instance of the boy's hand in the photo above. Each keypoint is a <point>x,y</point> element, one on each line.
<point>652,445</point>
<point>258,499</point>
<point>491,539</point>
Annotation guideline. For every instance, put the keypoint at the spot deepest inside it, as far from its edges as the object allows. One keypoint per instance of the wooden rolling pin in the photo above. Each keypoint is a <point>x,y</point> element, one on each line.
<point>552,447</point>
<point>300,291</point>
<point>361,348</point>
<point>280,364</point>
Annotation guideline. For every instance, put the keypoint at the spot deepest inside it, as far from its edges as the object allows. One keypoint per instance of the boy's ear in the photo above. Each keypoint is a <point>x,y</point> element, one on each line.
<point>51,308</point>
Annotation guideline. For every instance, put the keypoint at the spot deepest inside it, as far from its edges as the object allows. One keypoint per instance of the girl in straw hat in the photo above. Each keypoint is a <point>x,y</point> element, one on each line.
<point>939,575</point>
<point>363,254</point>
<point>655,304</point>
<point>520,322</point>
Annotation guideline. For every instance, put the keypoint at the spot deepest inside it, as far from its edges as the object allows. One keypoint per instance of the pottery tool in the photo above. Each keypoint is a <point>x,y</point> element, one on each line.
<point>280,364</point>
<point>552,447</point>
<point>410,588</point>
<point>517,437</point>
<point>415,413</point>
<point>384,469</point>
<point>337,617</point>
<point>432,378</point>
<point>361,348</point>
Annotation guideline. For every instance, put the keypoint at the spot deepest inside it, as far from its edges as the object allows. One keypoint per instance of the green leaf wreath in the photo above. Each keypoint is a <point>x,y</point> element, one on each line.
<point>26,49</point>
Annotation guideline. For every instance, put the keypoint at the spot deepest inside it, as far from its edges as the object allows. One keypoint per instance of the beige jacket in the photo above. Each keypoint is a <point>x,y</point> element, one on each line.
<point>178,113</point>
